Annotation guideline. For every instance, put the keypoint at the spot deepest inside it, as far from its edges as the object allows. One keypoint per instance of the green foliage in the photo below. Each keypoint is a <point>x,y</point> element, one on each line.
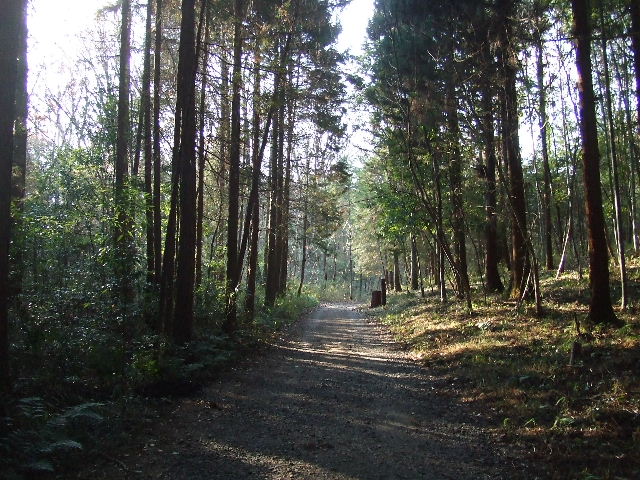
<point>287,309</point>
<point>38,440</point>
<point>162,369</point>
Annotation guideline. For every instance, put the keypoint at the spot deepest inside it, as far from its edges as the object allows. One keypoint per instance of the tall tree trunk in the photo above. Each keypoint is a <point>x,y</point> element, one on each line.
<point>253,207</point>
<point>123,232</point>
<point>457,200</point>
<point>169,254</point>
<point>493,281</point>
<point>185,274</point>
<point>635,43</point>
<point>546,170</point>
<point>613,152</point>
<point>600,308</point>
<point>415,270</point>
<point>286,203</point>
<point>19,157</point>
<point>625,88</point>
<point>233,269</point>
<point>157,152</point>
<point>442,281</point>
<point>10,21</point>
<point>271,265</point>
<point>305,227</point>
<point>204,47</point>
<point>396,271</point>
<point>509,64</point>
<point>350,270</point>
<point>280,226</point>
<point>145,106</point>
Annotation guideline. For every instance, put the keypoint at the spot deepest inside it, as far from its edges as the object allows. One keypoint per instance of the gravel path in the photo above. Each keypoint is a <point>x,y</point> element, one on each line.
<point>336,400</point>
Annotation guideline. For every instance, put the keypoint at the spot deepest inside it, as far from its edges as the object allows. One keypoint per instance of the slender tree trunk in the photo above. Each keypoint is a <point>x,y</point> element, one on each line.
<point>421,271</point>
<point>303,262</point>
<point>494,283</point>
<point>635,43</point>
<point>455,179</point>
<point>600,308</point>
<point>185,274</point>
<point>280,226</point>
<point>509,64</point>
<point>613,152</point>
<point>157,152</point>
<point>169,254</point>
<point>233,269</point>
<point>324,268</point>
<point>625,87</point>
<point>415,273</point>
<point>19,169</point>
<point>202,146</point>
<point>10,21</point>
<point>286,201</point>
<point>123,232</point>
<point>442,281</point>
<point>145,106</point>
<point>253,207</point>
<point>546,170</point>
<point>273,268</point>
<point>396,271</point>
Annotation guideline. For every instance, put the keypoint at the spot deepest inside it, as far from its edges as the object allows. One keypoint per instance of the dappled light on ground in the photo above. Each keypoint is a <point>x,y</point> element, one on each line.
<point>338,400</point>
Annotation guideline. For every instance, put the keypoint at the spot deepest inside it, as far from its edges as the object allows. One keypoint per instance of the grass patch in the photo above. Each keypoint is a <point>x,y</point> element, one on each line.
<point>579,421</point>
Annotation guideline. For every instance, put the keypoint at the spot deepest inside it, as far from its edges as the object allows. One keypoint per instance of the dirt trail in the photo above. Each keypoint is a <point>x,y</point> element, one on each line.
<point>337,400</point>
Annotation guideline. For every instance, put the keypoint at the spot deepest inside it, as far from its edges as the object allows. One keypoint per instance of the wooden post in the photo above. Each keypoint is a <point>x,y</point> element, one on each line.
<point>383,288</point>
<point>376,298</point>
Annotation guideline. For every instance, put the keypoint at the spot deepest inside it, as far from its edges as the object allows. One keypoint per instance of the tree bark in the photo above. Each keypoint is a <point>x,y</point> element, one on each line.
<point>233,269</point>
<point>303,261</point>
<point>546,170</point>
<point>19,168</point>
<point>273,267</point>
<point>493,281</point>
<point>455,180</point>
<point>442,284</point>
<point>415,270</point>
<point>204,47</point>
<point>613,152</point>
<point>396,271</point>
<point>600,308</point>
<point>9,51</point>
<point>157,152</point>
<point>635,44</point>
<point>286,201</point>
<point>509,64</point>
<point>253,206</point>
<point>123,235</point>
<point>185,274</point>
<point>280,226</point>
<point>145,106</point>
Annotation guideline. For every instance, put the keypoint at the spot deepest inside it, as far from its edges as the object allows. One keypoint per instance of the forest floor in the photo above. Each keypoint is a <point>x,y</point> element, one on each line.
<point>335,398</point>
<point>571,398</point>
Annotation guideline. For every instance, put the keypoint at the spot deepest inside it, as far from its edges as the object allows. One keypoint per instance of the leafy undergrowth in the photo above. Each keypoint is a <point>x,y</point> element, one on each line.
<point>82,392</point>
<point>578,420</point>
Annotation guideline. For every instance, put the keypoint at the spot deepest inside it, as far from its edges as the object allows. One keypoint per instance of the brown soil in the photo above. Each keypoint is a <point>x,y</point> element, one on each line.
<point>337,399</point>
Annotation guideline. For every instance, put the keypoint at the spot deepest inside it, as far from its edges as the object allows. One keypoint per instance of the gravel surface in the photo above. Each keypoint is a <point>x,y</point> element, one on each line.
<point>337,399</point>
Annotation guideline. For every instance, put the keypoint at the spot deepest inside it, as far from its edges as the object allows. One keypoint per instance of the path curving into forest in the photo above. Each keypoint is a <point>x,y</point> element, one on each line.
<point>338,399</point>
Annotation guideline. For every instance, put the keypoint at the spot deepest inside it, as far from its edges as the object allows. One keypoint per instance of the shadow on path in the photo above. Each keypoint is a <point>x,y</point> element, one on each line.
<point>337,401</point>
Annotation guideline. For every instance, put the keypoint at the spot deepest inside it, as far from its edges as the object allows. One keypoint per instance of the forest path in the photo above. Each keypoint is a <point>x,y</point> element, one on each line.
<point>338,399</point>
